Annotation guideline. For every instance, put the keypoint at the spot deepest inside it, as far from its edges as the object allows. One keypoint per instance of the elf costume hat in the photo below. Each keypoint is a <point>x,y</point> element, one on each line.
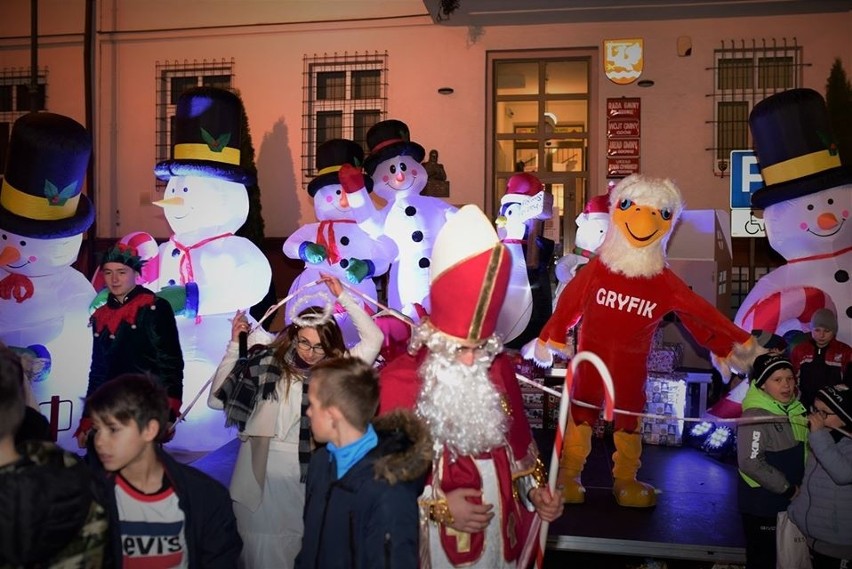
<point>41,195</point>
<point>207,137</point>
<point>124,254</point>
<point>387,139</point>
<point>331,155</point>
<point>470,274</point>
<point>794,146</point>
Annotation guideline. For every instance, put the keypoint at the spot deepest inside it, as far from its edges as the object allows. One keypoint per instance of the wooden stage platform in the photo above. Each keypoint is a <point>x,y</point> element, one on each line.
<point>695,518</point>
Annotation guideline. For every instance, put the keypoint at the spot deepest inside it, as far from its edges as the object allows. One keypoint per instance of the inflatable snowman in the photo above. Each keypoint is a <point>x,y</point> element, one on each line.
<point>411,220</point>
<point>592,225</point>
<point>806,203</point>
<point>44,302</point>
<point>346,241</point>
<point>525,200</point>
<point>206,271</point>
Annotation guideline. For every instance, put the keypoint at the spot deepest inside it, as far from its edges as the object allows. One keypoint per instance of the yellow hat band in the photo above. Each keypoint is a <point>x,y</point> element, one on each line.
<point>36,207</point>
<point>799,167</point>
<point>329,170</point>
<point>197,151</point>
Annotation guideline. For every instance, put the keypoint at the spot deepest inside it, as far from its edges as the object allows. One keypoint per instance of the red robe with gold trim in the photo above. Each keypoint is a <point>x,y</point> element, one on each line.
<point>400,386</point>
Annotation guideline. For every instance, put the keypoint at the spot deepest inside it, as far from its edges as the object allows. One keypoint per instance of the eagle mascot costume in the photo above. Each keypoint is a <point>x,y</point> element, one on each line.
<point>621,296</point>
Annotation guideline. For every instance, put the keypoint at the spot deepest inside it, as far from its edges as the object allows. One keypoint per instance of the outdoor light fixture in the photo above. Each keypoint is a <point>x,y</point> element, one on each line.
<point>699,433</point>
<point>446,90</point>
<point>720,443</point>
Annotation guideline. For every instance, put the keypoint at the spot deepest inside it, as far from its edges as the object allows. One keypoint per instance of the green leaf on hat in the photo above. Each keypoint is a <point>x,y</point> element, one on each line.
<point>829,144</point>
<point>56,197</point>
<point>216,144</point>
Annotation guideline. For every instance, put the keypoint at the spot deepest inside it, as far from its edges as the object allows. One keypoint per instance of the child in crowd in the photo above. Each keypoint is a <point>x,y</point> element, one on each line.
<point>823,508</point>
<point>162,513</point>
<point>361,505</point>
<point>770,453</point>
<point>49,515</point>
<point>822,359</point>
<point>264,395</point>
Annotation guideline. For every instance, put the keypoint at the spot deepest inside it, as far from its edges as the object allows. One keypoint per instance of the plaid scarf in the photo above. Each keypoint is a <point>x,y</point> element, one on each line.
<point>252,379</point>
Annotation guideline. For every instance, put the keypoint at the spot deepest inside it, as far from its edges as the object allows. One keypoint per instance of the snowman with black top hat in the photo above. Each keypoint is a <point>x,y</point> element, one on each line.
<point>44,301</point>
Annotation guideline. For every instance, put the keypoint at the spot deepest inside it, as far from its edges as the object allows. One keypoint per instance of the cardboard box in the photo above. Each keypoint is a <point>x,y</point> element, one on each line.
<point>666,396</point>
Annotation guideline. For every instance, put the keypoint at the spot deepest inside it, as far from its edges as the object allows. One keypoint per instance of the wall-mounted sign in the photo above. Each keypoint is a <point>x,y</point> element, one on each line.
<point>623,60</point>
<point>621,167</point>
<point>623,132</point>
<point>618,147</point>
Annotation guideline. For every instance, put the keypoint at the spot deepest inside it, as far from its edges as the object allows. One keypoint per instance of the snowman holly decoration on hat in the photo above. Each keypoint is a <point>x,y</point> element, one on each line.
<point>205,270</point>
<point>806,204</point>
<point>346,241</point>
<point>410,219</point>
<point>43,214</point>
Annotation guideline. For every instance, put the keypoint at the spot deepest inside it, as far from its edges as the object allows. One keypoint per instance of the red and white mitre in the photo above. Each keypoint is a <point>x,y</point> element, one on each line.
<point>470,274</point>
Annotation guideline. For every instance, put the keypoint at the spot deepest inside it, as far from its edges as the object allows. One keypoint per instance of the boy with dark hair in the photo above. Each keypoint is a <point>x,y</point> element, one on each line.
<point>162,513</point>
<point>361,497</point>
<point>49,517</point>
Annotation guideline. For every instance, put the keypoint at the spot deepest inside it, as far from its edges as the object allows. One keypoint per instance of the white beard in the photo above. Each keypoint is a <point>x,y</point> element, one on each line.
<point>460,405</point>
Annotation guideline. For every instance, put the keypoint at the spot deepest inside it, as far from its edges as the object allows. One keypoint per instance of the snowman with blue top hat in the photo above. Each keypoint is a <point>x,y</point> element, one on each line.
<point>43,300</point>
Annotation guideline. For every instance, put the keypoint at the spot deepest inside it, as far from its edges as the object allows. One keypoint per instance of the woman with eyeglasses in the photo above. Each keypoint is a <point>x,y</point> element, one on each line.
<point>823,508</point>
<point>265,396</point>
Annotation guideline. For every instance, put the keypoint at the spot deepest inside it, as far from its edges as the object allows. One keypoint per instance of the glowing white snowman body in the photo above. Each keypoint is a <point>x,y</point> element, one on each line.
<point>814,235</point>
<point>230,272</point>
<point>347,229</point>
<point>55,316</point>
<point>412,221</point>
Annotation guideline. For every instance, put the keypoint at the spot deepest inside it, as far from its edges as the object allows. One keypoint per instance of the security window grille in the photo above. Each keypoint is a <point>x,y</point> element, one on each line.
<point>745,74</point>
<point>172,79</point>
<point>15,102</point>
<point>344,95</point>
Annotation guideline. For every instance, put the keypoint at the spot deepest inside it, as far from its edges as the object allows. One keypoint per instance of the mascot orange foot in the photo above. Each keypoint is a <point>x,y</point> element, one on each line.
<point>628,491</point>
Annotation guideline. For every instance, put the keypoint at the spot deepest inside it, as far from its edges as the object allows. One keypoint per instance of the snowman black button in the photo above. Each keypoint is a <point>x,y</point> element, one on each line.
<point>417,236</point>
<point>411,211</point>
<point>171,282</point>
<point>423,263</point>
<point>344,241</point>
<point>344,263</point>
<point>849,312</point>
<point>841,276</point>
<point>175,252</point>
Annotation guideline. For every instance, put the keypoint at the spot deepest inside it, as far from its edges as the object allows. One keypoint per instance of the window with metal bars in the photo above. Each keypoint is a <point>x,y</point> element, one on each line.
<point>172,79</point>
<point>15,101</point>
<point>344,95</point>
<point>744,74</point>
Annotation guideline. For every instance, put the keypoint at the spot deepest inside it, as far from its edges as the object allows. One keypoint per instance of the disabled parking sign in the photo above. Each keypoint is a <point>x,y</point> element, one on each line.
<point>745,180</point>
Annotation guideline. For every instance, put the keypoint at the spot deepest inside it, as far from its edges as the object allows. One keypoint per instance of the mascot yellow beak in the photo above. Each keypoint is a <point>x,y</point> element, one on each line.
<point>641,225</point>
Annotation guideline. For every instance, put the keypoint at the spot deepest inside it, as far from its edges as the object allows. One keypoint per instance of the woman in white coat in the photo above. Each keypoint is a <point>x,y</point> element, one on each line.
<point>265,397</point>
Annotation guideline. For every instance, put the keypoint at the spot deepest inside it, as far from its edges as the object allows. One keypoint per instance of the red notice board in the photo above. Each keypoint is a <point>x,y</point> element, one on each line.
<point>623,136</point>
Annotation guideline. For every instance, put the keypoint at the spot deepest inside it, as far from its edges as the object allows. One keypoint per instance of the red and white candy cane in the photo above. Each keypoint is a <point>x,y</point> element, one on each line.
<point>537,537</point>
<point>148,250</point>
<point>791,303</point>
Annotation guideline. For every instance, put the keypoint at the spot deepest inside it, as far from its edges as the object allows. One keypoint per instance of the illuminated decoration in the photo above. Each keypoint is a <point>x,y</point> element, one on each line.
<point>699,433</point>
<point>205,202</point>
<point>346,241</point>
<point>525,201</point>
<point>44,302</point>
<point>623,60</point>
<point>665,395</point>
<point>720,443</point>
<point>410,219</point>
<point>592,225</point>
<point>806,211</point>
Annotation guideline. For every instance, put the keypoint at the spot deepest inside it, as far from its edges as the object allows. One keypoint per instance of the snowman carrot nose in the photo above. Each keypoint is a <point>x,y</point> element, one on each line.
<point>9,255</point>
<point>400,176</point>
<point>344,201</point>
<point>170,201</point>
<point>826,221</point>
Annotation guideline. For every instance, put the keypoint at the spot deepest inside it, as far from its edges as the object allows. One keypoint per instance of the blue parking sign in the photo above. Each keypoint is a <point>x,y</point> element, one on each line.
<point>745,178</point>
